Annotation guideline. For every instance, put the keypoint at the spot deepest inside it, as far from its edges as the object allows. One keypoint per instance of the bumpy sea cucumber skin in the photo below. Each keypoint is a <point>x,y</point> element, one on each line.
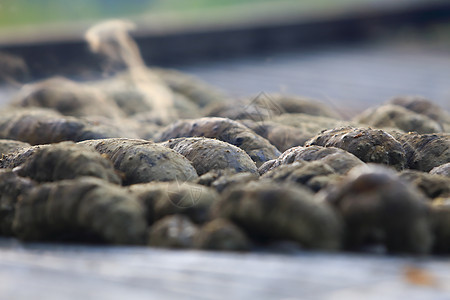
<point>367,144</point>
<point>80,208</point>
<point>210,154</point>
<point>143,161</point>
<point>65,160</point>
<point>12,187</point>
<point>379,207</point>
<point>259,149</point>
<point>43,126</point>
<point>339,160</point>
<point>425,151</point>
<point>272,211</point>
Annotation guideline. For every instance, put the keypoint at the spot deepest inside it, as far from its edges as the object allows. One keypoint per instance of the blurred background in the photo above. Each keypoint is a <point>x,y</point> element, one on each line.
<point>24,12</point>
<point>347,53</point>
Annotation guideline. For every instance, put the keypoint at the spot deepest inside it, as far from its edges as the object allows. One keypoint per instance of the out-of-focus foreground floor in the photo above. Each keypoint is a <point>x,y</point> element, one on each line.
<point>79,272</point>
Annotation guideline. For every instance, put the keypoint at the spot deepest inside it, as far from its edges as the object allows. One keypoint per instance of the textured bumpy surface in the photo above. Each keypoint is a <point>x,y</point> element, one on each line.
<point>258,148</point>
<point>210,154</point>
<point>432,185</point>
<point>266,106</point>
<point>443,170</point>
<point>169,198</point>
<point>7,146</point>
<point>221,234</point>
<point>269,211</point>
<point>367,144</point>
<point>65,160</point>
<point>42,126</point>
<point>425,151</point>
<point>173,232</point>
<point>281,136</point>
<point>80,209</point>
<point>339,160</point>
<point>315,175</point>
<point>424,107</point>
<point>11,186</point>
<point>68,98</point>
<point>394,116</point>
<point>143,161</point>
<point>378,207</point>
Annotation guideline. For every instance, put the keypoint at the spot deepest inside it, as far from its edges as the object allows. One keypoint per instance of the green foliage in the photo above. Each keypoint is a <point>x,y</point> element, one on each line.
<point>202,4</point>
<point>19,12</point>
<point>31,12</point>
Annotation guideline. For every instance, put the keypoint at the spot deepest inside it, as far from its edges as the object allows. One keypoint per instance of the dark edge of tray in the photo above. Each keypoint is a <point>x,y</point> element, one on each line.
<point>73,58</point>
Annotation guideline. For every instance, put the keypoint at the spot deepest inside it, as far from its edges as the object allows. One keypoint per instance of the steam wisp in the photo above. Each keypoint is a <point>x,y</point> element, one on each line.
<point>112,39</point>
